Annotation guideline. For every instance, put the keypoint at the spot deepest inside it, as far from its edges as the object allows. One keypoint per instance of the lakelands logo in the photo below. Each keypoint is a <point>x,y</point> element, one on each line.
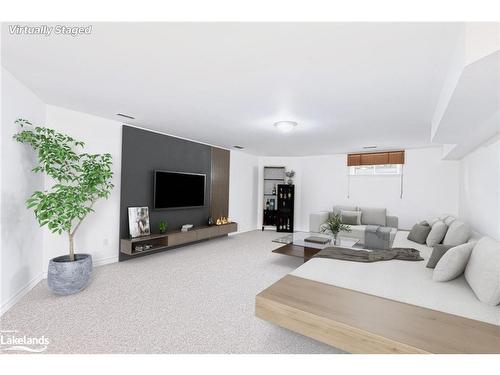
<point>46,30</point>
<point>11,341</point>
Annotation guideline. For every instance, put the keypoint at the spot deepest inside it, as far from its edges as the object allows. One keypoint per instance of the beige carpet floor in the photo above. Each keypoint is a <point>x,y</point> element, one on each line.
<point>194,299</point>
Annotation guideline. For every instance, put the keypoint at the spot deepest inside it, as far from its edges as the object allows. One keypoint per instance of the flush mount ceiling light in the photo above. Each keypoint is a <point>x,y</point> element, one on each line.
<point>369,147</point>
<point>285,126</point>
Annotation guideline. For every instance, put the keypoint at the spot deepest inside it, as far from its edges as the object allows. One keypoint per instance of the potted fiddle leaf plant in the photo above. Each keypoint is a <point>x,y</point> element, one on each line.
<point>79,180</point>
<point>333,225</point>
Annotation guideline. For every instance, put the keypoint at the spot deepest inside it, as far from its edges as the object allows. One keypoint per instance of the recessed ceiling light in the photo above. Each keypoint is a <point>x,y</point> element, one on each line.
<point>126,116</point>
<point>369,147</point>
<point>285,126</point>
<point>239,147</point>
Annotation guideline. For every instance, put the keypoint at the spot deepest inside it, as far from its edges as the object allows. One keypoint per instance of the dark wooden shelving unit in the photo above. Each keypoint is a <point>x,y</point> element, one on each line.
<point>286,203</point>
<point>273,176</point>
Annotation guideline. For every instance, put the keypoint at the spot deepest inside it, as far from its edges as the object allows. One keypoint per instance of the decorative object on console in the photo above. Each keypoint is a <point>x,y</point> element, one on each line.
<point>290,175</point>
<point>80,180</point>
<point>334,225</point>
<point>186,227</point>
<point>162,226</point>
<point>210,221</point>
<point>138,221</point>
<point>222,221</point>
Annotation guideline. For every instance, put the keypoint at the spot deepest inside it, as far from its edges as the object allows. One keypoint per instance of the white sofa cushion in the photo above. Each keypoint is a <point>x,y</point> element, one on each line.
<point>457,234</point>
<point>452,264</point>
<point>437,233</point>
<point>373,216</point>
<point>483,271</point>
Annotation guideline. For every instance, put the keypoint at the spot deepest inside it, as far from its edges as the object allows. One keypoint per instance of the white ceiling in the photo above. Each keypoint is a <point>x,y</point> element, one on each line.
<point>346,84</point>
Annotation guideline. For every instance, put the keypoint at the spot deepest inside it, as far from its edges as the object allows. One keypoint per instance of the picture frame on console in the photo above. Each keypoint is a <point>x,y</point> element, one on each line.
<point>138,221</point>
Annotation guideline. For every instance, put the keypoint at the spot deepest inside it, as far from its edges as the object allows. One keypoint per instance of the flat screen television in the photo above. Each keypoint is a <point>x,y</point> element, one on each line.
<point>178,190</point>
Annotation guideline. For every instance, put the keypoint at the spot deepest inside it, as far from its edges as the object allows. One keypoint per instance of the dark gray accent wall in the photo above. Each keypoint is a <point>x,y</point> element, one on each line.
<point>144,151</point>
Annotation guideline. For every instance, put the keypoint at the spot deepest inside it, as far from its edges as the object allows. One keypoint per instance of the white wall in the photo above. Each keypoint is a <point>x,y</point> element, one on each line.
<point>243,179</point>
<point>430,186</point>
<point>99,233</point>
<point>480,189</point>
<point>21,250</point>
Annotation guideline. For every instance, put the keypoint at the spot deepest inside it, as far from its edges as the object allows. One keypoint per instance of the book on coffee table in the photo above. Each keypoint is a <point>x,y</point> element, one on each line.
<point>316,239</point>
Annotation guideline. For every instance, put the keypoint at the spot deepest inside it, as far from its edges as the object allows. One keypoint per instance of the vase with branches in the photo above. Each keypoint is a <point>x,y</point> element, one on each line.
<point>79,180</point>
<point>334,225</point>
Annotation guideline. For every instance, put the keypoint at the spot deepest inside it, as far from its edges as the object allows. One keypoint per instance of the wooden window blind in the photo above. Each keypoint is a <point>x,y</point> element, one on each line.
<point>376,158</point>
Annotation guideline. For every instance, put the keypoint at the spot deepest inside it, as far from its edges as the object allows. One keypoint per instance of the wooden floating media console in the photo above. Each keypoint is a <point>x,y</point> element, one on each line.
<point>175,238</point>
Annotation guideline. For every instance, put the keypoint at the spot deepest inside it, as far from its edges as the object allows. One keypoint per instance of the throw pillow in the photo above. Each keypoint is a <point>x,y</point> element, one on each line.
<point>449,220</point>
<point>452,264</point>
<point>457,234</point>
<point>437,253</point>
<point>437,233</point>
<point>336,209</point>
<point>419,233</point>
<point>350,217</point>
<point>483,271</point>
<point>433,221</point>
<point>373,216</point>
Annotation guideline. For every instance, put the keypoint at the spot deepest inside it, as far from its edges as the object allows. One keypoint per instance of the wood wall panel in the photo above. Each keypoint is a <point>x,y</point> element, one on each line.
<point>219,193</point>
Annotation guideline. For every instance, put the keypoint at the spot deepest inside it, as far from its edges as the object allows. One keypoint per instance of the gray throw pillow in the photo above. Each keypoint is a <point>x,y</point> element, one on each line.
<point>437,233</point>
<point>373,216</point>
<point>437,252</point>
<point>350,217</point>
<point>419,233</point>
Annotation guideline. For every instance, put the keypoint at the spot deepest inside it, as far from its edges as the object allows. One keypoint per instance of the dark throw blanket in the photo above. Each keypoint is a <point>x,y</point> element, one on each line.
<point>369,256</point>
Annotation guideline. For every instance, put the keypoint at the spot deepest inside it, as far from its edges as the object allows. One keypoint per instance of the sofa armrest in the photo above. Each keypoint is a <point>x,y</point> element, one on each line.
<point>316,220</point>
<point>392,221</point>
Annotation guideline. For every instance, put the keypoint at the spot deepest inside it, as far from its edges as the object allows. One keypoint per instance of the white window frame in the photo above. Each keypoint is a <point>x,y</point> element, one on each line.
<point>371,170</point>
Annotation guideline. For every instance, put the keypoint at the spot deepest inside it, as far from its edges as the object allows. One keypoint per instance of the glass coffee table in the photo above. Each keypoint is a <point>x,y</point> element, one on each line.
<point>296,244</point>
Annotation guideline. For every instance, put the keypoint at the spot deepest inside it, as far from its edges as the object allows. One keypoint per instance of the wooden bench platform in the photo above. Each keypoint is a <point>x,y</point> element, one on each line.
<point>361,323</point>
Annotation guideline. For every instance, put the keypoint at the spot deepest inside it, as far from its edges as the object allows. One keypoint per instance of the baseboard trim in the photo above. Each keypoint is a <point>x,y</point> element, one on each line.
<point>104,261</point>
<point>30,285</point>
<point>20,294</point>
<point>243,231</point>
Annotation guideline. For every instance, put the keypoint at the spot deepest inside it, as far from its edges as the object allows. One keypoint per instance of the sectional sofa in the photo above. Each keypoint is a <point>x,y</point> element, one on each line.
<point>369,216</point>
<point>396,306</point>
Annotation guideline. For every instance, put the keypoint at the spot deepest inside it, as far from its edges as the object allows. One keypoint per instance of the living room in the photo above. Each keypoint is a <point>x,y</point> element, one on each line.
<point>140,195</point>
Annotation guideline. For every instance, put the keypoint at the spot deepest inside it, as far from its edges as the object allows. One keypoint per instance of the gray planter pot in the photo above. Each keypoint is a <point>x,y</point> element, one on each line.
<point>66,277</point>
